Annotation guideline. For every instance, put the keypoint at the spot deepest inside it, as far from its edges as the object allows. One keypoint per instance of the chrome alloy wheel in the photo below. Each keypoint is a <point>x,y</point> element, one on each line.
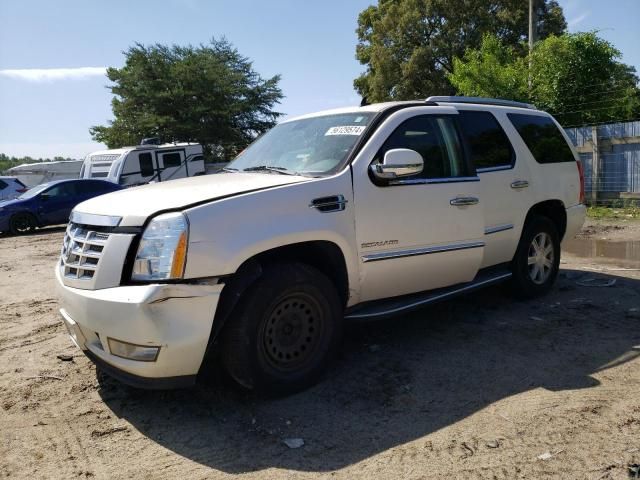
<point>541,258</point>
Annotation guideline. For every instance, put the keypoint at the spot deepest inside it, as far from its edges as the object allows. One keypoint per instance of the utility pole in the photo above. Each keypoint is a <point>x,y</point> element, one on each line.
<point>532,34</point>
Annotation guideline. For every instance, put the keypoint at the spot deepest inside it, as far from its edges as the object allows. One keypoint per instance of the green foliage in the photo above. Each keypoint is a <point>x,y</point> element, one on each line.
<point>621,212</point>
<point>409,46</point>
<point>576,77</point>
<point>493,70</point>
<point>208,94</point>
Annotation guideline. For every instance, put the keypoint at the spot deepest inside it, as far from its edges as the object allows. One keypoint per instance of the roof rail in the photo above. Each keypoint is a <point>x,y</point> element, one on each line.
<point>481,100</point>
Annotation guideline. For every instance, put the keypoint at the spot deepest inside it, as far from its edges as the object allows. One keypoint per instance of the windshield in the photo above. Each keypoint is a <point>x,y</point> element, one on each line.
<point>32,192</point>
<point>317,145</point>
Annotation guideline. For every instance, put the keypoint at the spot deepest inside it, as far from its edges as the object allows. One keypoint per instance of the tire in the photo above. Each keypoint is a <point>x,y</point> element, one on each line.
<point>285,330</point>
<point>21,223</point>
<point>537,260</point>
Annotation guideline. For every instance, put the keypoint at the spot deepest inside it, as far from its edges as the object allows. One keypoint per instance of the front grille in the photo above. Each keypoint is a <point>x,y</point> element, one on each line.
<point>81,252</point>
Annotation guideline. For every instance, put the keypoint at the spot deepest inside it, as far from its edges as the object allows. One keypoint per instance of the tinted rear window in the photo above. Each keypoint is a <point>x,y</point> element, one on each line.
<point>541,135</point>
<point>489,145</point>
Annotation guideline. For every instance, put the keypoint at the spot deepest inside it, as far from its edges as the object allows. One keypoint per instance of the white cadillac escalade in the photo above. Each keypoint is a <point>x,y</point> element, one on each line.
<point>349,214</point>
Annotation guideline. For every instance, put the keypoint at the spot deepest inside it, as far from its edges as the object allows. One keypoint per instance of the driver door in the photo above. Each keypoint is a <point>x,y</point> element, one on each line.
<point>425,231</point>
<point>56,203</point>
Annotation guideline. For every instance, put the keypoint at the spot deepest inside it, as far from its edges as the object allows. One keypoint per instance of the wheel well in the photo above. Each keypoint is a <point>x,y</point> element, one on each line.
<point>322,255</point>
<point>554,210</point>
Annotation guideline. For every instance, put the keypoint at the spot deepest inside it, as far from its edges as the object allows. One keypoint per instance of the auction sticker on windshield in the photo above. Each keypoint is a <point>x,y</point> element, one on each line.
<point>346,130</point>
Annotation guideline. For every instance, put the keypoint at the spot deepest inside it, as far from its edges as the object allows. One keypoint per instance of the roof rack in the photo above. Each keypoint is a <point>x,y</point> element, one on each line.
<point>481,100</point>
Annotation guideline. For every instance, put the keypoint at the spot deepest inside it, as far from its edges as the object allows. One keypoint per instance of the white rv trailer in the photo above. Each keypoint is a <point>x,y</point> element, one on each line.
<point>145,163</point>
<point>32,174</point>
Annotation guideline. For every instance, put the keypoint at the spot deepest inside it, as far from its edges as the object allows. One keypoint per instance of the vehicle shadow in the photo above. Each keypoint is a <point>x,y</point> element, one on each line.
<point>399,380</point>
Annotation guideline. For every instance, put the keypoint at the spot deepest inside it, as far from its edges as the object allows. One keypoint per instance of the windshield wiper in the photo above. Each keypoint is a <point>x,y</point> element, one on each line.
<point>229,169</point>
<point>270,168</point>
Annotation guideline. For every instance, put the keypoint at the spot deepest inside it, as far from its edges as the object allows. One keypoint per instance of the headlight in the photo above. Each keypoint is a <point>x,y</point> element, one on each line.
<point>162,253</point>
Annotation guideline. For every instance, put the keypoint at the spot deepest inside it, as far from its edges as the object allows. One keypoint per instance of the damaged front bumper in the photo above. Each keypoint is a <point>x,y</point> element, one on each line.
<point>172,320</point>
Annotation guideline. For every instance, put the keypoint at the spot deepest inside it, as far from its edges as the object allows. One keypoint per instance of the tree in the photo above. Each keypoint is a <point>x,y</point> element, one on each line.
<point>208,94</point>
<point>408,46</point>
<point>576,77</point>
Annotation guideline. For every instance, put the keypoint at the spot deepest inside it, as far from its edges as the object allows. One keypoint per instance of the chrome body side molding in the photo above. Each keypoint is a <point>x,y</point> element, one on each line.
<point>374,257</point>
<point>498,228</point>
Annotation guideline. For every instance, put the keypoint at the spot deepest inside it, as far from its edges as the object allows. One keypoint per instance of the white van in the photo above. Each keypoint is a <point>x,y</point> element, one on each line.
<point>145,163</point>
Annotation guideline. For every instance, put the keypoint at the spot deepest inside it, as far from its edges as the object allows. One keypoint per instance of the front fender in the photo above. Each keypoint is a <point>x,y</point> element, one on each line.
<point>224,234</point>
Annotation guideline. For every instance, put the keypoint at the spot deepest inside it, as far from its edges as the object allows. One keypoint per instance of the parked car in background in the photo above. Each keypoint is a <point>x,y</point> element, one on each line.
<point>146,163</point>
<point>11,187</point>
<point>49,204</point>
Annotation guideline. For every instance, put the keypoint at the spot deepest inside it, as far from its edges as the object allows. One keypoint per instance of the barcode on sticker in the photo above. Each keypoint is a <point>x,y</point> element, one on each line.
<point>346,130</point>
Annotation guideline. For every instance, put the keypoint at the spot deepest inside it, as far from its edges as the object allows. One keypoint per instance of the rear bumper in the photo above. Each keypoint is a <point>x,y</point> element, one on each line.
<point>575,220</point>
<point>175,318</point>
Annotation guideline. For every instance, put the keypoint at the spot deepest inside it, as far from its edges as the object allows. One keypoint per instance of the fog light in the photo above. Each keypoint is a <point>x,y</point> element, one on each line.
<point>133,352</point>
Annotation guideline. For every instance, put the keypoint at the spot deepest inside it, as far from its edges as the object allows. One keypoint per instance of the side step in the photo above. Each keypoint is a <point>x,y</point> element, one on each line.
<point>389,307</point>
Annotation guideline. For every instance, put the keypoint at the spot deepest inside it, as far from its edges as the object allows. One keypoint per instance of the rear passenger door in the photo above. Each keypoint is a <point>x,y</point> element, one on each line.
<point>504,182</point>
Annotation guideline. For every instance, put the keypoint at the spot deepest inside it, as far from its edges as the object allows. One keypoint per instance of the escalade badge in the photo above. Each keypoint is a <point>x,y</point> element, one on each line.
<point>382,243</point>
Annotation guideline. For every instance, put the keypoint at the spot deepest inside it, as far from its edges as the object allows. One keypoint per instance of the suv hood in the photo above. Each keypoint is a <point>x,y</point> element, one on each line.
<point>136,204</point>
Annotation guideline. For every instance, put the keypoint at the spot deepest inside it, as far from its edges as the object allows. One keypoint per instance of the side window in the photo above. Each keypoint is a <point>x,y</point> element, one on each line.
<point>3,185</point>
<point>171,160</point>
<point>436,139</point>
<point>91,187</point>
<point>542,137</point>
<point>146,164</point>
<point>62,191</point>
<point>489,145</point>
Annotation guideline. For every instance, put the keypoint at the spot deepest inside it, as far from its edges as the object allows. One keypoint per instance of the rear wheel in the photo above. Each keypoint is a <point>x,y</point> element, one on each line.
<point>22,223</point>
<point>284,331</point>
<point>537,260</point>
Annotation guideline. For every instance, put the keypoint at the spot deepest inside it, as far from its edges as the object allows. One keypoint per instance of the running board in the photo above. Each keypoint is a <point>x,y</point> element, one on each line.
<point>389,307</point>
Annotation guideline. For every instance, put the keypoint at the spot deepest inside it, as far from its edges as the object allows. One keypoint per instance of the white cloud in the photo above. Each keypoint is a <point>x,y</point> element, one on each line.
<point>52,74</point>
<point>575,21</point>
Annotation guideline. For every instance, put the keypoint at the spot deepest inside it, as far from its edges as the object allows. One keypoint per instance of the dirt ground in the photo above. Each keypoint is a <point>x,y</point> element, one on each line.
<point>483,387</point>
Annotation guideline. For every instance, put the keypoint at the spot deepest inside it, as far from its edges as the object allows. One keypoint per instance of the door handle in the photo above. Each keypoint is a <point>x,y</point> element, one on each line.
<point>463,201</point>
<point>518,184</point>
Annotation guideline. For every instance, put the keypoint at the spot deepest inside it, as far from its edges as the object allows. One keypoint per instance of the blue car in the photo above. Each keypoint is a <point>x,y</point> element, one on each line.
<point>49,204</point>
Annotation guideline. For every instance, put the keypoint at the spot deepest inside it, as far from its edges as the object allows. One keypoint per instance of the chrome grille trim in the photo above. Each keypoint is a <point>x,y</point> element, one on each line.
<point>92,219</point>
<point>81,252</point>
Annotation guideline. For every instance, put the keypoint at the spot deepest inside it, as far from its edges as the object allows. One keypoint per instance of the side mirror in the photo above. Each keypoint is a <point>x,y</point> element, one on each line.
<point>44,197</point>
<point>397,163</point>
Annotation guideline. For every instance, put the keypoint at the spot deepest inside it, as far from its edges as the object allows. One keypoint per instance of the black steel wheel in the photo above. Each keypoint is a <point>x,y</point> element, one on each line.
<point>284,331</point>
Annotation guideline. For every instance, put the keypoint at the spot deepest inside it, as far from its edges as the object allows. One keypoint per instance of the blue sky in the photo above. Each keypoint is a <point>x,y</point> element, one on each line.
<point>311,43</point>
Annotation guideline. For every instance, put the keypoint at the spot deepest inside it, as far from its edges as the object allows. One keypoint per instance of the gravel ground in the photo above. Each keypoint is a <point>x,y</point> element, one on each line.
<point>479,387</point>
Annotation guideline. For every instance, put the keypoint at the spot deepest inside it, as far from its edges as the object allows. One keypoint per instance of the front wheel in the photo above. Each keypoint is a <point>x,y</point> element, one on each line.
<point>22,223</point>
<point>284,331</point>
<point>537,260</point>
